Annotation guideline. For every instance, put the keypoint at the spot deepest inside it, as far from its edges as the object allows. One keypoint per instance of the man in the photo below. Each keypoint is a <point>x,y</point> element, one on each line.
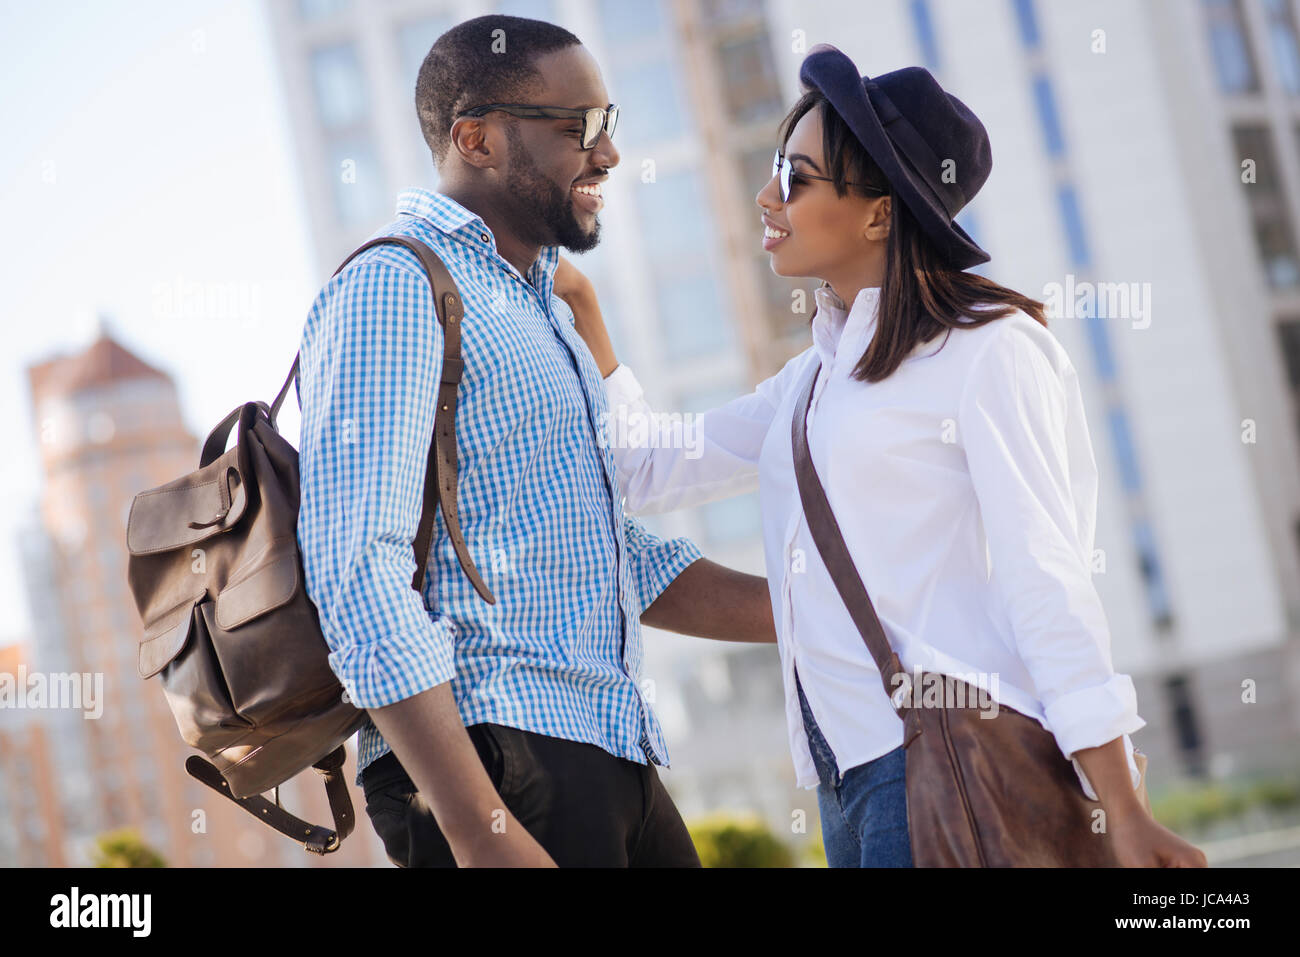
<point>515,733</point>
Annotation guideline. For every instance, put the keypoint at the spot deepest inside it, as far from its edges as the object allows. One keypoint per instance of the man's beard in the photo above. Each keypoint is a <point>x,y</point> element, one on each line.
<point>543,206</point>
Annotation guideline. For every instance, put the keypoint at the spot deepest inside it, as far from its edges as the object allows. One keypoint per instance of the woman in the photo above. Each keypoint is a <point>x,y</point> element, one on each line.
<point>947,426</point>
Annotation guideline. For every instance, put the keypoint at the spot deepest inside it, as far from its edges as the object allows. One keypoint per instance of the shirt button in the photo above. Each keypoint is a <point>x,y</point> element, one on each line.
<point>483,236</point>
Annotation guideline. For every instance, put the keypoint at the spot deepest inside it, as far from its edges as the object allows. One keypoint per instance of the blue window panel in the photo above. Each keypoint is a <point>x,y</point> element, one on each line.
<point>1049,119</point>
<point>675,226</point>
<point>692,321</point>
<point>1072,220</point>
<point>631,22</point>
<point>311,10</point>
<point>1125,454</point>
<point>339,86</point>
<point>925,35</point>
<point>650,103</point>
<point>1229,46</point>
<point>1282,38</point>
<point>1028,22</point>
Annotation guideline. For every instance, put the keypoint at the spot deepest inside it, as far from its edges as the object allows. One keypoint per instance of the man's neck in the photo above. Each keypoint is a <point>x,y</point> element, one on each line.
<point>515,251</point>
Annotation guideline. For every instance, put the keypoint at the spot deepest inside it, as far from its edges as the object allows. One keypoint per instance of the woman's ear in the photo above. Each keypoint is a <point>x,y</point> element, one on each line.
<point>880,212</point>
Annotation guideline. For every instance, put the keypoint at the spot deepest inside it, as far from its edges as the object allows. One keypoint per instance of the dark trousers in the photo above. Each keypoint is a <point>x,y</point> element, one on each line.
<point>583,805</point>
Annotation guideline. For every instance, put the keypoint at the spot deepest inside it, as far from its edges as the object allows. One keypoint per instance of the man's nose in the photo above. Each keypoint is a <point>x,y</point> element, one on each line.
<point>605,152</point>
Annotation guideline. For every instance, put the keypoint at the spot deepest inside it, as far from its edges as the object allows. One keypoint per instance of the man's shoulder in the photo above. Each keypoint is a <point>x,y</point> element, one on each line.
<point>398,255</point>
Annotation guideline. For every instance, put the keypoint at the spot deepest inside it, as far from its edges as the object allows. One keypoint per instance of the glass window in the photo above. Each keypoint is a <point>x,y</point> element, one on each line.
<point>1152,575</point>
<point>724,12</point>
<point>320,9</point>
<point>339,86</point>
<point>1288,331</point>
<point>1027,21</point>
<point>1282,38</point>
<point>631,22</point>
<point>1049,120</point>
<point>923,24</point>
<point>1072,220</point>
<point>674,214</point>
<point>1266,198</point>
<point>691,321</point>
<point>748,73</point>
<point>1230,47</point>
<point>357,177</point>
<point>1182,715</point>
<point>650,103</point>
<point>1126,456</point>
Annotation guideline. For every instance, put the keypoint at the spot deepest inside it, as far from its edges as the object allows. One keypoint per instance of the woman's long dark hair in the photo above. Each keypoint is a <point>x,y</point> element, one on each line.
<point>920,295</point>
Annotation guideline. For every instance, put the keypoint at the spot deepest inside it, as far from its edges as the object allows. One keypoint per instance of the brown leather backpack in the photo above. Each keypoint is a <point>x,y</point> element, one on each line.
<point>217,577</point>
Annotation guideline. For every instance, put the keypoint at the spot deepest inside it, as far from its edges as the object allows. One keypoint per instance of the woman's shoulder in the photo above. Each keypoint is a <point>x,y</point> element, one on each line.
<point>1009,335</point>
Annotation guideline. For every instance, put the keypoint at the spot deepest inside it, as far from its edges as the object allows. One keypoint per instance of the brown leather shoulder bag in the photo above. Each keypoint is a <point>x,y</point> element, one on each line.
<point>981,791</point>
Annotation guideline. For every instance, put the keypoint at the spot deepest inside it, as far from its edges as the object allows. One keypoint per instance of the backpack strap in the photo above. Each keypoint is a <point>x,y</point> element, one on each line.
<point>313,837</point>
<point>441,468</point>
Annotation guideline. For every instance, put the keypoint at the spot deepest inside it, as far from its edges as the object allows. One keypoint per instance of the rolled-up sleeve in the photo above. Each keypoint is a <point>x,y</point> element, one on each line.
<point>369,365</point>
<point>654,561</point>
<point>1022,422</point>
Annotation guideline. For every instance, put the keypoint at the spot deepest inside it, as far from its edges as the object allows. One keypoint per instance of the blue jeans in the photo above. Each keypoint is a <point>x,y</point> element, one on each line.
<point>863,811</point>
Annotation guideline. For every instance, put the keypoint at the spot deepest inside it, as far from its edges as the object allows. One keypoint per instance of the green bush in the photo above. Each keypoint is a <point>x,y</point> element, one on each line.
<point>1196,808</point>
<point>125,848</point>
<point>726,840</point>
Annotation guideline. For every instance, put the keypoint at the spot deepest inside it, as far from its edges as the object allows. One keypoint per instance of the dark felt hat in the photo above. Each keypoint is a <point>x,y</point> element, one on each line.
<point>933,150</point>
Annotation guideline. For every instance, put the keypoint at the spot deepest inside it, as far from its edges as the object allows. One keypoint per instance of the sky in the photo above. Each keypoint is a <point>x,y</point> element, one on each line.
<point>145,154</point>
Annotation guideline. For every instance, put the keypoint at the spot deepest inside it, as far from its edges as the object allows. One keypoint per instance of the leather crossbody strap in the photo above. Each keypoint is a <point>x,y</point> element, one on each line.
<point>825,531</point>
<point>441,468</point>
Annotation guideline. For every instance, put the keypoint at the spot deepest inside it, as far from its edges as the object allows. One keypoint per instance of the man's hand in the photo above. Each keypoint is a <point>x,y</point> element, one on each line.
<point>426,734</point>
<point>709,600</point>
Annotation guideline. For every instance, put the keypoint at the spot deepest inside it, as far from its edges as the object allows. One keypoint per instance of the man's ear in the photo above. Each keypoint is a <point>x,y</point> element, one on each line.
<point>876,227</point>
<point>471,140</point>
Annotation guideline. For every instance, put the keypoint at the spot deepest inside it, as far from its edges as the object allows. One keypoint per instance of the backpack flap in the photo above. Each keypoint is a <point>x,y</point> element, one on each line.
<point>187,510</point>
<point>270,583</point>
<point>166,638</point>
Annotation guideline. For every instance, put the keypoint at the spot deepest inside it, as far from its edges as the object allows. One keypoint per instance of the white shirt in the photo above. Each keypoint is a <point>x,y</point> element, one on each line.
<point>966,490</point>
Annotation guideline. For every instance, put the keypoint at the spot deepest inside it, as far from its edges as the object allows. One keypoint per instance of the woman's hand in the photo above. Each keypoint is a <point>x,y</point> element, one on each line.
<point>580,295</point>
<point>1142,841</point>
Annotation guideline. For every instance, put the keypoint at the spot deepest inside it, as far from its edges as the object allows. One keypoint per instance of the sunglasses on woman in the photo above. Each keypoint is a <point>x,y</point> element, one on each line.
<point>787,175</point>
<point>593,120</point>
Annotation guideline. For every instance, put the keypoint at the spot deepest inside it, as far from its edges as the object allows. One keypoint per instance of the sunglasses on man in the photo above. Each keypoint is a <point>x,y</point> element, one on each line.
<point>788,175</point>
<point>593,120</point>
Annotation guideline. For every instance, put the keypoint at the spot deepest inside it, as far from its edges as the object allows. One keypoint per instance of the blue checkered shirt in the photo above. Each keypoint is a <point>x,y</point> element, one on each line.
<point>560,652</point>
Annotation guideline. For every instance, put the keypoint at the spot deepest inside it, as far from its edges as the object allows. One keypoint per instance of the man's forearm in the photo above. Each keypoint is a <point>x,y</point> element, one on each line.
<point>709,600</point>
<point>430,740</point>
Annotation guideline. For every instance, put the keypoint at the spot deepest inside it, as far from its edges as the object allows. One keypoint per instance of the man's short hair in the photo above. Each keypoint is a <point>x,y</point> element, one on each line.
<point>463,69</point>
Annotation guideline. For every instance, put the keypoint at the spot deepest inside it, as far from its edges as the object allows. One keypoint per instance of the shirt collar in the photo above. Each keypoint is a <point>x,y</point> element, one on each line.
<point>448,216</point>
<point>839,329</point>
